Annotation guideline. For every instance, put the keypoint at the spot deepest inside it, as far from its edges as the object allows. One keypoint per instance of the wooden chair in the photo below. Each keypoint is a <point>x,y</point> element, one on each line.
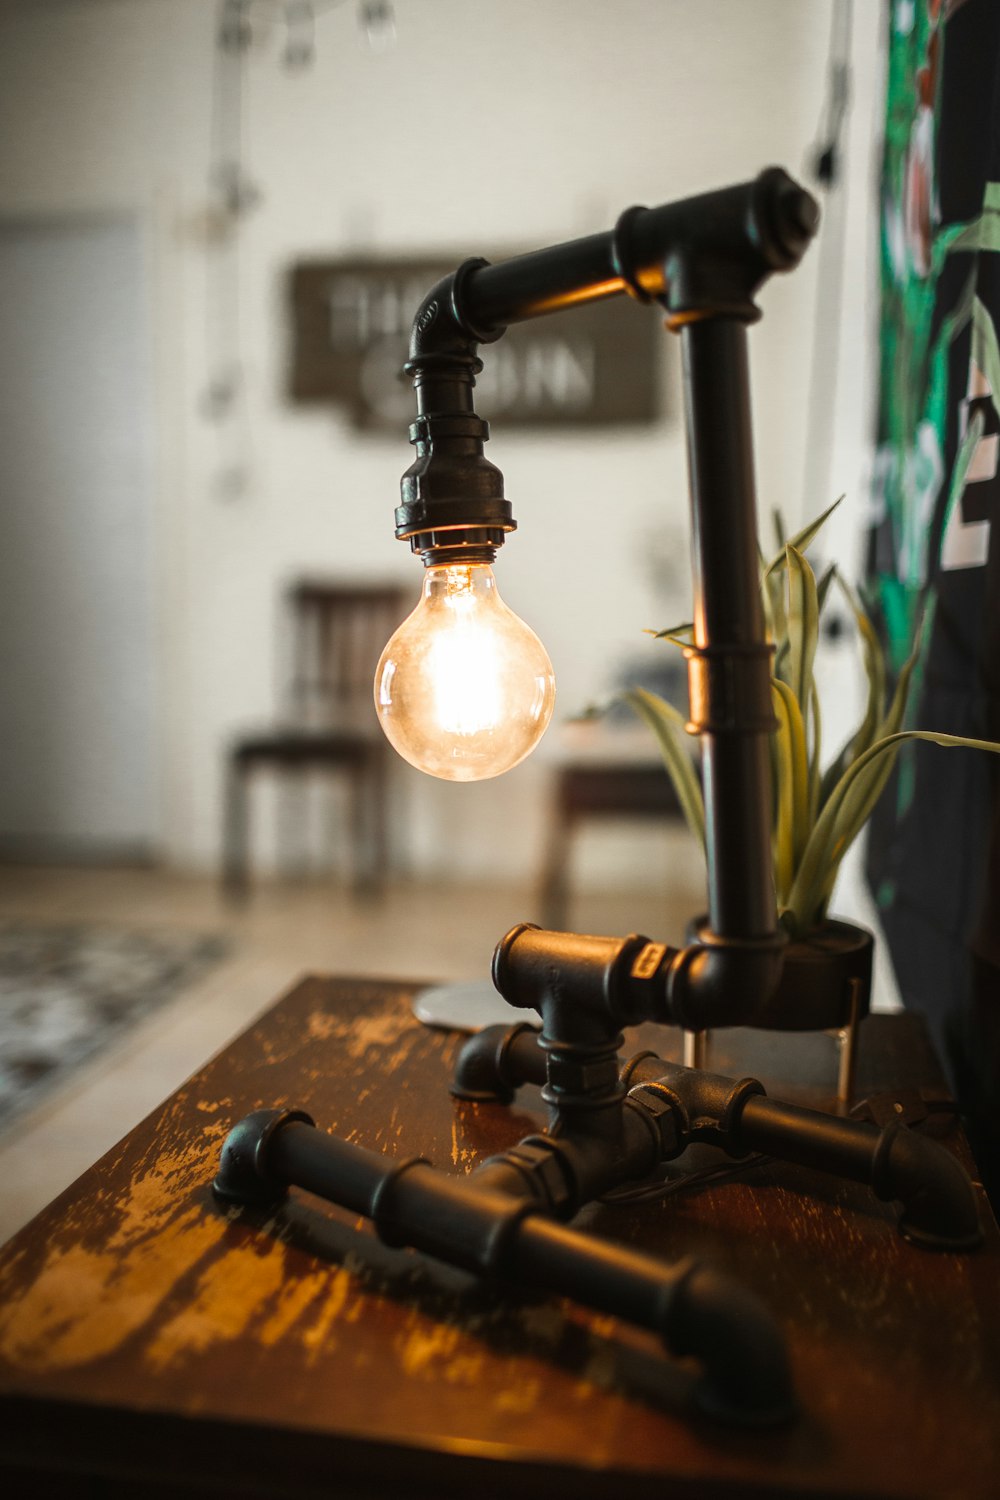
<point>338,632</point>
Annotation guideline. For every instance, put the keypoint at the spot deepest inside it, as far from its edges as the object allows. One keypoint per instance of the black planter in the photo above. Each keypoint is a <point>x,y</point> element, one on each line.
<point>826,980</point>
<point>825,986</point>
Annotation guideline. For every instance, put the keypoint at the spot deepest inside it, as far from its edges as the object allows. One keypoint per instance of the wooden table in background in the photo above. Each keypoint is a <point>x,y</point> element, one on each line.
<point>153,1343</point>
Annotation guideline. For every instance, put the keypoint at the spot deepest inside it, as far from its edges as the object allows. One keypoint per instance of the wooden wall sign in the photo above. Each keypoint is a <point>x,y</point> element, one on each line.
<point>601,364</point>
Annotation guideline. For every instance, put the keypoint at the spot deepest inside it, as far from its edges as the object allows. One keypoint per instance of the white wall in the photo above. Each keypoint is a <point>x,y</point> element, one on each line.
<point>490,123</point>
<point>78,751</point>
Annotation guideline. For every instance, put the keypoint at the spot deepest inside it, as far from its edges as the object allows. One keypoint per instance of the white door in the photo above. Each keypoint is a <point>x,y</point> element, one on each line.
<point>77,700</point>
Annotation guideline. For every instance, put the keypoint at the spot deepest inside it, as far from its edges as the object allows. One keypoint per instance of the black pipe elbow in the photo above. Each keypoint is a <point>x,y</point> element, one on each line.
<point>939,1211</point>
<point>245,1175</point>
<point>746,1377</point>
<point>443,327</point>
<point>719,982</point>
<point>492,1063</point>
<point>479,1074</point>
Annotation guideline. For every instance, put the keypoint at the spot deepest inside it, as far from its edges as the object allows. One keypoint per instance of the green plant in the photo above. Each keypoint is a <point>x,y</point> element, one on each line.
<point>817,813</point>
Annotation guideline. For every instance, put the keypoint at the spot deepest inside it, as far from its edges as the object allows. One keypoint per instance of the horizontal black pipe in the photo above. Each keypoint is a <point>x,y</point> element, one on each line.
<point>543,281</point>
<point>939,1207</point>
<point>806,1136</point>
<point>697,1311</point>
<point>709,252</point>
<point>745,1372</point>
<point>584,986</point>
<point>313,1160</point>
<point>938,1199</point>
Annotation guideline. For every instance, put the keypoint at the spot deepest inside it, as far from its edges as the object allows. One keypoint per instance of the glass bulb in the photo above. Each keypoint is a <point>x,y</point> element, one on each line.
<point>464,689</point>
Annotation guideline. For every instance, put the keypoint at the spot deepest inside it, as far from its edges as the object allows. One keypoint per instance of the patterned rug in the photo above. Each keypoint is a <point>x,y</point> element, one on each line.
<point>66,992</point>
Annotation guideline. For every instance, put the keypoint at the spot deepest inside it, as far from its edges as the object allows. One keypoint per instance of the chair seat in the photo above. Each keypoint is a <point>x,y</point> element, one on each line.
<point>296,746</point>
<point>623,790</point>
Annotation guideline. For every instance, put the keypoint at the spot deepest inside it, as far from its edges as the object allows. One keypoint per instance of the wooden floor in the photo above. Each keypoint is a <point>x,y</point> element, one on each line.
<point>286,930</point>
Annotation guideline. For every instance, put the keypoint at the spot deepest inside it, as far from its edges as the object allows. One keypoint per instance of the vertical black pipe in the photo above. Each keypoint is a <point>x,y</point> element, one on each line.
<point>729,669</point>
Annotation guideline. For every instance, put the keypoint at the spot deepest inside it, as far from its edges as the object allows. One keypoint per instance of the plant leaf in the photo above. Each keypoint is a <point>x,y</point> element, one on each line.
<point>778,522</point>
<point>667,723</point>
<point>782,834</point>
<point>773,597</point>
<point>801,539</point>
<point>803,626</point>
<point>679,634</point>
<point>851,799</point>
<point>792,775</point>
<point>897,708</point>
<point>815,751</point>
<point>768,608</point>
<point>846,813</point>
<point>873,660</point>
<point>823,585</point>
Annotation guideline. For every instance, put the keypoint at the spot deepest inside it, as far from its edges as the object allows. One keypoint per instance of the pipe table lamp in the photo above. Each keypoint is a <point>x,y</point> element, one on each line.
<point>464,690</point>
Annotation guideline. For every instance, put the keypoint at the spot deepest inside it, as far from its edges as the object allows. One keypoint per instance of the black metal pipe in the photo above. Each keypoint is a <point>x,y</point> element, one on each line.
<point>299,1153</point>
<point>697,1313</point>
<point>703,255</point>
<point>939,1202</point>
<point>722,1325</point>
<point>939,1208</point>
<point>729,669</point>
<point>543,281</point>
<point>703,258</point>
<point>827,1143</point>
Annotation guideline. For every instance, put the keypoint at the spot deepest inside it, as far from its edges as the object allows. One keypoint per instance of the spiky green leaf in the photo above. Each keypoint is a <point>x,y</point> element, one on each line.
<point>873,660</point>
<point>792,809</point>
<point>801,539</point>
<point>668,725</point>
<point>815,751</point>
<point>803,626</point>
<point>845,814</point>
<point>778,523</point>
<point>680,634</point>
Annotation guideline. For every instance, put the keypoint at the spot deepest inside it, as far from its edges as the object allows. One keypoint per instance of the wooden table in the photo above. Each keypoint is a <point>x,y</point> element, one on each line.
<point>153,1343</point>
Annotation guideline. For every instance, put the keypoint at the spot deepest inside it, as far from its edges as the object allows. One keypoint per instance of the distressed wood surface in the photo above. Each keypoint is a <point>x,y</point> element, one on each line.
<point>152,1342</point>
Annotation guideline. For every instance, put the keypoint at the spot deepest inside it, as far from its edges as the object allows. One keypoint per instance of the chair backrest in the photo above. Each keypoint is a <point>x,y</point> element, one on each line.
<point>339,630</point>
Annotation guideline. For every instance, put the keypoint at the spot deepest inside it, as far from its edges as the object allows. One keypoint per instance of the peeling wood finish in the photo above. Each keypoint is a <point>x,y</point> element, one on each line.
<point>141,1323</point>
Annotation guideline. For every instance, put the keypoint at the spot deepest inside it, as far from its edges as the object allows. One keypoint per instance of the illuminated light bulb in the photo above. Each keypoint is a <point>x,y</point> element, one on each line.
<point>464,689</point>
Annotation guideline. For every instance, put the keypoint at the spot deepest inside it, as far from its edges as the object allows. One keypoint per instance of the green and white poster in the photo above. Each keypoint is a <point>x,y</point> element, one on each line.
<point>934,854</point>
